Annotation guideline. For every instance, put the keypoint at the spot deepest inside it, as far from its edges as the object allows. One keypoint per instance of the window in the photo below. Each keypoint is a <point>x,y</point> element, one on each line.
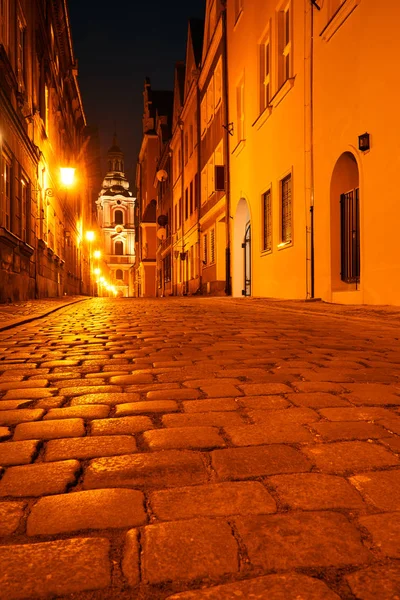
<point>218,83</point>
<point>186,203</point>
<point>212,246</point>
<point>205,249</point>
<point>119,248</point>
<point>210,100</point>
<point>180,212</point>
<point>266,242</point>
<point>284,45</point>
<point>286,209</point>
<point>204,195</point>
<point>6,174</point>
<point>24,210</point>
<point>119,274</point>
<point>21,41</point>
<point>210,176</point>
<point>240,111</point>
<point>119,217</point>
<point>4,22</point>
<point>265,73</point>
<point>350,236</point>
<point>176,217</point>
<point>191,144</point>
<point>167,268</point>
<point>191,198</point>
<point>186,146</point>
<point>203,116</point>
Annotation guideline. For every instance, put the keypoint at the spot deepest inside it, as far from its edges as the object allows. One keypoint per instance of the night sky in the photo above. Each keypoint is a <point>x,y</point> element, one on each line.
<point>117,44</point>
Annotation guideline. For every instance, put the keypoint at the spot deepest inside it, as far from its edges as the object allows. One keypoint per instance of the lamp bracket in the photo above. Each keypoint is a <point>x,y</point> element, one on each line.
<point>229,128</point>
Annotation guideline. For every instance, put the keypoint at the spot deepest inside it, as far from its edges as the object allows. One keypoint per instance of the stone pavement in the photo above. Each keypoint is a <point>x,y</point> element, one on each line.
<point>200,448</point>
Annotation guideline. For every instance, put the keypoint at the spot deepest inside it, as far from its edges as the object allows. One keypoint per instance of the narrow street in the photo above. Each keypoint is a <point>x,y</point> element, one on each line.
<point>200,449</point>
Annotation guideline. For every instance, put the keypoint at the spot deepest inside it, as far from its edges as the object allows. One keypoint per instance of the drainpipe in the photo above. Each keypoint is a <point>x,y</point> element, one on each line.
<point>228,286</point>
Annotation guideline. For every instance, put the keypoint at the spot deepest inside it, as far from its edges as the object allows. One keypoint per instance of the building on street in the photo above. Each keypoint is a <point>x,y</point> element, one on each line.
<point>115,218</point>
<point>42,129</point>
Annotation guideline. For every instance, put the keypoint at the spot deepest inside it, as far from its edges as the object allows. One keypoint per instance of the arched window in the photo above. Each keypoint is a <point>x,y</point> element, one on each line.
<point>119,274</point>
<point>119,248</point>
<point>119,217</point>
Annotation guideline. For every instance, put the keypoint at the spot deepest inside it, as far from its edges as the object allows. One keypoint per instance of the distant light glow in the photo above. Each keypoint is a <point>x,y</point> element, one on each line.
<point>67,175</point>
<point>97,253</point>
<point>90,235</point>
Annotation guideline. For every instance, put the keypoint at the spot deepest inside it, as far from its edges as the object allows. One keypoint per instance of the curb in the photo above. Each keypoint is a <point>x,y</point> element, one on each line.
<point>23,320</point>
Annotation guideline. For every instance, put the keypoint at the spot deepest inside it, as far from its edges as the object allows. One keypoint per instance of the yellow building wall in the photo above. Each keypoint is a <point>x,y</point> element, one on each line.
<point>359,95</point>
<point>273,146</point>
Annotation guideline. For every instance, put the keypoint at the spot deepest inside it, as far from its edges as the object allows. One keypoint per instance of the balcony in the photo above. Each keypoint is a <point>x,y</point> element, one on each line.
<point>115,259</point>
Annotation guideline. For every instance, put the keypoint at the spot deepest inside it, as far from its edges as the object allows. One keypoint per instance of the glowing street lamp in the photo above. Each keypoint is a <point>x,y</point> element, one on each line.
<point>97,254</point>
<point>67,176</point>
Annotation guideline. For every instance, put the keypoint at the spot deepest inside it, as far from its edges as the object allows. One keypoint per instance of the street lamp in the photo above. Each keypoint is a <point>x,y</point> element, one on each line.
<point>90,235</point>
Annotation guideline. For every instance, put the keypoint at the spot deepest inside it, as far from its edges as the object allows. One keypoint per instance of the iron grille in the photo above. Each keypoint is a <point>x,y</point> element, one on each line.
<point>350,236</point>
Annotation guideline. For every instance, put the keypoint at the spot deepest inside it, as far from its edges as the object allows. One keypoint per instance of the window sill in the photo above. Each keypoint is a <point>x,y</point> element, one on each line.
<point>284,245</point>
<point>338,19</point>
<point>266,252</point>
<point>262,117</point>
<point>281,93</point>
<point>239,147</point>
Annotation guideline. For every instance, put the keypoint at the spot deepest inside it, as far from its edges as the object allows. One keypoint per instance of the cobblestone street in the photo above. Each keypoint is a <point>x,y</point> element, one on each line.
<point>200,449</point>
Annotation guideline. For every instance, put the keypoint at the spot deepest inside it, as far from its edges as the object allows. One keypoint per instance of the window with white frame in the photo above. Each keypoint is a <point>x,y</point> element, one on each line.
<point>240,111</point>
<point>265,72</point>
<point>266,212</point>
<point>286,233</point>
<point>284,44</point>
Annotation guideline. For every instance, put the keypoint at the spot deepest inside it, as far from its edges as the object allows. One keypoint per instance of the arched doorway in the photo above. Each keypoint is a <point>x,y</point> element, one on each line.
<point>241,272</point>
<point>345,224</point>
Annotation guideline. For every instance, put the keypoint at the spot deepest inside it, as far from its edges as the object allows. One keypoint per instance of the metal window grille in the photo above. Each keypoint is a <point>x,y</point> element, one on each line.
<point>350,236</point>
<point>267,221</point>
<point>286,209</point>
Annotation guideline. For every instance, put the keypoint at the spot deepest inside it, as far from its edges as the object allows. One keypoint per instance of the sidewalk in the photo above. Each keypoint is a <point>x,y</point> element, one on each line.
<point>18,313</point>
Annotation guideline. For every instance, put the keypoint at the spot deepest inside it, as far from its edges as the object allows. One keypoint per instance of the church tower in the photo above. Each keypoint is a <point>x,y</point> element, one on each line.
<point>115,213</point>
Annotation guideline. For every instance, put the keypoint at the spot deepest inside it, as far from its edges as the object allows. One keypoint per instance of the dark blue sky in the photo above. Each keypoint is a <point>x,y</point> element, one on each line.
<point>117,44</point>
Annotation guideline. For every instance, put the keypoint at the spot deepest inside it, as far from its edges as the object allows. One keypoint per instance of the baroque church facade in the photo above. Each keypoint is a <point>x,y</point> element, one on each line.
<point>115,213</point>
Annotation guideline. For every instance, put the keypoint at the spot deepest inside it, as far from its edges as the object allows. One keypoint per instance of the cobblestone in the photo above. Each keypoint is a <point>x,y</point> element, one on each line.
<point>293,414</point>
<point>183,437</point>
<point>37,570</point>
<point>92,509</point>
<point>285,586</point>
<point>11,514</point>
<point>171,468</point>
<point>185,551</point>
<point>22,415</point>
<point>89,447</point>
<point>218,500</point>
<point>320,539</point>
<point>120,425</point>
<point>18,453</point>
<point>39,479</point>
<point>47,430</point>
